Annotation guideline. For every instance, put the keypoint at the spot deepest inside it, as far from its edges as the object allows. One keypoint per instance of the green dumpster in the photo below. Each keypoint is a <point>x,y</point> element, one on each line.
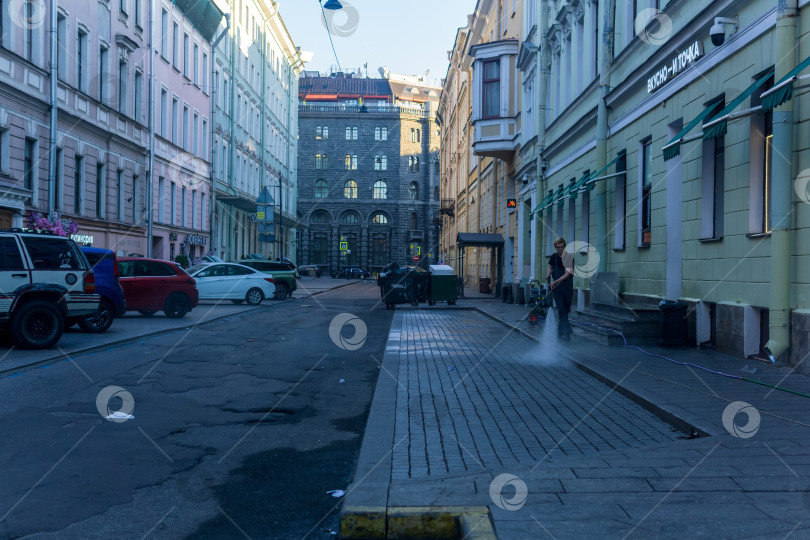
<point>443,285</point>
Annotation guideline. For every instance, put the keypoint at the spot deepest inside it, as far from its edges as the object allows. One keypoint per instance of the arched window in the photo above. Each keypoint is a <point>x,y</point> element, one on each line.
<point>325,132</point>
<point>347,161</point>
<point>318,161</point>
<point>320,217</point>
<point>324,162</point>
<point>354,133</point>
<point>321,189</point>
<point>378,218</point>
<point>384,134</point>
<point>350,218</point>
<point>414,222</point>
<point>354,162</point>
<point>383,162</point>
<point>376,134</point>
<point>413,191</point>
<point>380,190</point>
<point>350,189</point>
<point>377,162</point>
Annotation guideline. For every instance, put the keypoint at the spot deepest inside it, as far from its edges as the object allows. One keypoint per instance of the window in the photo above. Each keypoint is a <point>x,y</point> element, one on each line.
<point>183,206</point>
<point>137,213</point>
<point>320,217</point>
<point>383,163</point>
<point>354,162</point>
<point>380,190</point>
<point>81,61</point>
<point>646,193</point>
<point>175,44</point>
<point>122,5</point>
<point>195,134</point>
<point>164,34</point>
<point>413,163</point>
<point>318,162</point>
<point>10,256</point>
<point>350,162</point>
<point>164,113</point>
<point>378,218</point>
<point>101,189</point>
<point>379,250</point>
<point>377,134</point>
<point>350,189</point>
<point>137,97</point>
<point>102,74</point>
<point>354,134</point>
<point>61,47</point>
<point>414,222</point>
<point>196,63</point>
<point>767,171</point>
<point>204,139</point>
<point>123,75</point>
<point>318,132</point>
<point>176,121</point>
<point>28,28</point>
<point>384,134</point>
<point>161,199</point>
<point>416,135</point>
<point>492,89</point>
<point>348,133</point>
<point>173,204</point>
<point>350,218</point>
<point>413,191</point>
<point>713,181</point>
<point>321,189</point>
<point>205,73</point>
<point>137,10</point>
<point>78,184</point>
<point>185,133</point>
<point>194,209</point>
<point>185,56</point>
<point>119,181</point>
<point>29,165</point>
<point>319,249</point>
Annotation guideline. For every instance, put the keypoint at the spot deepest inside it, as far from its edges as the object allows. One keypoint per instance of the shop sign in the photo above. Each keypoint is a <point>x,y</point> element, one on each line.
<point>196,239</point>
<point>511,203</point>
<point>677,64</point>
<point>82,238</point>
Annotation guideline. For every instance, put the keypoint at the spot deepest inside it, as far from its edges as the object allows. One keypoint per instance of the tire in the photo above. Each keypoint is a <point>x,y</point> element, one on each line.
<point>101,320</point>
<point>282,291</point>
<point>176,306</point>
<point>147,313</point>
<point>37,325</point>
<point>237,302</point>
<point>254,297</point>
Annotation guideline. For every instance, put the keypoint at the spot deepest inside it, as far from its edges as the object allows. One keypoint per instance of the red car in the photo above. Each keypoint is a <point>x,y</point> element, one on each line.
<point>152,285</point>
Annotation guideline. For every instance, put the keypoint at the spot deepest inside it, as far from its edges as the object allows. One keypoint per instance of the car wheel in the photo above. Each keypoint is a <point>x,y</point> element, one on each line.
<point>37,325</point>
<point>176,306</point>
<point>237,302</point>
<point>147,313</point>
<point>254,297</point>
<point>99,321</point>
<point>282,291</point>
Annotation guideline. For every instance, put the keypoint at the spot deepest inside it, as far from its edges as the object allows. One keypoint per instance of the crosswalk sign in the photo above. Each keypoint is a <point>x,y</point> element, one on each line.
<point>344,246</point>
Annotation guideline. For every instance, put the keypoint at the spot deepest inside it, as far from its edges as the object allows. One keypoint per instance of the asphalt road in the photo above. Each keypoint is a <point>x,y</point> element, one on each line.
<point>240,427</point>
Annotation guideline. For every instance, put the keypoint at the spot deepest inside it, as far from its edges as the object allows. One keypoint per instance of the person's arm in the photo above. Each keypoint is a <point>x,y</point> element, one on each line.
<point>566,275</point>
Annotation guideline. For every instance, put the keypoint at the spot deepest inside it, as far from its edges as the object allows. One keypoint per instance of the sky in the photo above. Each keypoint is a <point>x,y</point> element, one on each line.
<point>408,36</point>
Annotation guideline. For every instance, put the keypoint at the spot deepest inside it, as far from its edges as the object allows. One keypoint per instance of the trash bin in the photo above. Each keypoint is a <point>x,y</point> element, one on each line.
<point>673,323</point>
<point>460,287</point>
<point>521,295</point>
<point>397,286</point>
<point>443,285</point>
<point>503,292</point>
<point>421,281</point>
<point>483,285</point>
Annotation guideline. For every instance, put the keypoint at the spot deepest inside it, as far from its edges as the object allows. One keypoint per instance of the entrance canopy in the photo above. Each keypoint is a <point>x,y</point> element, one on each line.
<point>479,240</point>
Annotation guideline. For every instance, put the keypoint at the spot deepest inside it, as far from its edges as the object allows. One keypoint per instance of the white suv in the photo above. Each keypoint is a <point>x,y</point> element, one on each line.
<point>44,279</point>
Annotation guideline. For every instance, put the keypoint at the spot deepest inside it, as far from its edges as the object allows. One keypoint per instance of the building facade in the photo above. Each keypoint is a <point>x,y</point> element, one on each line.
<point>368,164</point>
<point>481,161</point>
<point>669,147</point>
<point>256,125</point>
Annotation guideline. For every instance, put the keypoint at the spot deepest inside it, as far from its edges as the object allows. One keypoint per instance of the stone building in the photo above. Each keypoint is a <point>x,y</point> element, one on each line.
<point>255,127</point>
<point>367,167</point>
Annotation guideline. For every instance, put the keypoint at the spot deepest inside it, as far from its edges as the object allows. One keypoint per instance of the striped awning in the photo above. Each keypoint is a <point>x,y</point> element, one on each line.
<point>718,125</point>
<point>783,90</point>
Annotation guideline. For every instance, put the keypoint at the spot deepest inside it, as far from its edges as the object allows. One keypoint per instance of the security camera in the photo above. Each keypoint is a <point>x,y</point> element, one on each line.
<point>525,179</point>
<point>718,29</point>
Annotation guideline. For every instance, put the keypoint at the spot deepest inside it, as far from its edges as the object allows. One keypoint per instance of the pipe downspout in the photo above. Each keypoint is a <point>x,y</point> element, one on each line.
<point>782,187</point>
<point>606,60</point>
<point>151,122</point>
<point>540,129</point>
<point>212,96</point>
<point>52,172</point>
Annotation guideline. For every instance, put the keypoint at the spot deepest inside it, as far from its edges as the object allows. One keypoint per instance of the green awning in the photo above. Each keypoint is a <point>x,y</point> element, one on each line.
<point>539,207</point>
<point>721,127</point>
<point>203,14</point>
<point>574,188</point>
<point>673,147</point>
<point>556,196</point>
<point>783,90</point>
<point>593,176</point>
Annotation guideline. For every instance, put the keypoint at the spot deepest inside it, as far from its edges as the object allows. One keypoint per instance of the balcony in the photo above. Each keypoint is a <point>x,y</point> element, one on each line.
<point>448,207</point>
<point>495,108</point>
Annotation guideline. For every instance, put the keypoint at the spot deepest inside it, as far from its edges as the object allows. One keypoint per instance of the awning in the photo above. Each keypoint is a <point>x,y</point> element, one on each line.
<point>479,239</point>
<point>595,177</point>
<point>718,125</point>
<point>319,97</point>
<point>203,14</point>
<point>673,147</point>
<point>783,90</point>
<point>539,208</point>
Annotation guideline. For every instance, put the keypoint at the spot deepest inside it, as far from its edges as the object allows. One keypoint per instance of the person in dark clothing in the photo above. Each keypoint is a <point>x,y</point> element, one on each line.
<point>561,271</point>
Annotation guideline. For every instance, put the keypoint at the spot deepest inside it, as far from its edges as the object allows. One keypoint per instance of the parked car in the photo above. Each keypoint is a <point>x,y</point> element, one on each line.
<point>230,281</point>
<point>310,269</point>
<point>113,302</point>
<point>152,285</point>
<point>45,280</point>
<point>255,256</point>
<point>283,275</point>
<point>349,273</point>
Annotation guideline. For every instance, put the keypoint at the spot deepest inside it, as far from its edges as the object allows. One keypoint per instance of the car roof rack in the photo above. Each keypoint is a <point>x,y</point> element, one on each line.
<point>28,231</point>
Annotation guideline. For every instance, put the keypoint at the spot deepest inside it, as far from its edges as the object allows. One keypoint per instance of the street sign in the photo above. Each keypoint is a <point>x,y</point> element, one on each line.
<point>264,206</point>
<point>416,258</point>
<point>344,246</point>
<point>265,227</point>
<point>270,238</point>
